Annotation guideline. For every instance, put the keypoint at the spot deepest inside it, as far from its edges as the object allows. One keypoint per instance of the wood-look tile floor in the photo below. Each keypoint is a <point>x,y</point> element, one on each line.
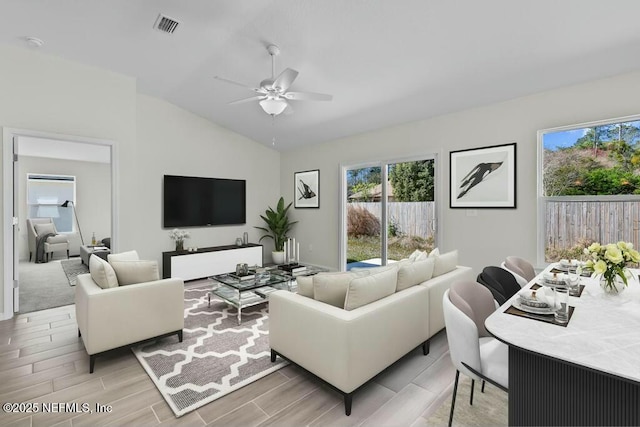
<point>42,360</point>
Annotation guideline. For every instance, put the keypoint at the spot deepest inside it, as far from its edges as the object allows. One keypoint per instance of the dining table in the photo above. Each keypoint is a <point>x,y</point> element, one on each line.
<point>583,372</point>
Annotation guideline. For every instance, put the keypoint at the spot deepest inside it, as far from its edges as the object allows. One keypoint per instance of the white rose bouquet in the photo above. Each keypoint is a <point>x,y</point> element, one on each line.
<point>610,261</point>
<point>179,236</point>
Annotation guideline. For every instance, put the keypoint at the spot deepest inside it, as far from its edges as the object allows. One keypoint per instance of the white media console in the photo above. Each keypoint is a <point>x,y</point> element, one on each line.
<point>209,261</point>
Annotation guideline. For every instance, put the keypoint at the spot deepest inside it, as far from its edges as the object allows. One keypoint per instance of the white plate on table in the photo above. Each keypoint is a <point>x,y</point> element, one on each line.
<point>553,285</point>
<point>584,273</point>
<point>553,279</point>
<point>533,310</point>
<point>565,266</point>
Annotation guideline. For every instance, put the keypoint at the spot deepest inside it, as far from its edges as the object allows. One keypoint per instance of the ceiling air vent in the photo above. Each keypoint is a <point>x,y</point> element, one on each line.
<point>166,24</point>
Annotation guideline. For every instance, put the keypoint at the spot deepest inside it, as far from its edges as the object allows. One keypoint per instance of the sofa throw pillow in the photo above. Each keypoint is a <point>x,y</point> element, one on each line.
<point>401,263</point>
<point>130,272</point>
<point>445,263</point>
<point>305,286</point>
<point>331,288</point>
<point>418,255</point>
<point>434,253</point>
<point>414,255</point>
<point>365,290</point>
<point>44,228</point>
<point>124,256</point>
<point>416,272</point>
<point>360,271</point>
<point>102,273</point>
<point>422,256</point>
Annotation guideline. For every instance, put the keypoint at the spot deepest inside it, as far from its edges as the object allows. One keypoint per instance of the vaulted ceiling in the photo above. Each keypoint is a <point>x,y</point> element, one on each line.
<point>385,62</point>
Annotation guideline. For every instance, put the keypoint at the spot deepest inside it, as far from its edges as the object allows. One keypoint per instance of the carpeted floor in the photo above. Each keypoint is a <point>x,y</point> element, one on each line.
<point>43,286</point>
<point>72,267</point>
<point>489,408</point>
<point>216,357</point>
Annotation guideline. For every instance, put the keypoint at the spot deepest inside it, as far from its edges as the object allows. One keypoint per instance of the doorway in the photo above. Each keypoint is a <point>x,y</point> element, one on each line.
<point>389,211</point>
<point>68,181</point>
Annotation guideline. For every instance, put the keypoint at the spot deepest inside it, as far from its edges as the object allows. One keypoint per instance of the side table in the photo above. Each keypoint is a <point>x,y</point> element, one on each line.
<point>87,250</point>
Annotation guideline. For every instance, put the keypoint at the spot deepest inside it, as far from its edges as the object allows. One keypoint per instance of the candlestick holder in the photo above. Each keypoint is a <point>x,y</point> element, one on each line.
<point>291,252</point>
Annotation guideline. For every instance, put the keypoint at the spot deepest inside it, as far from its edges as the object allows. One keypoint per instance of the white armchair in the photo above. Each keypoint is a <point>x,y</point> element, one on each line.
<point>120,316</point>
<point>54,243</point>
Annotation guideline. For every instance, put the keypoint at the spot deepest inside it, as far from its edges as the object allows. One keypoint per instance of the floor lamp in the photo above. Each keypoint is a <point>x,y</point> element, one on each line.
<point>73,205</point>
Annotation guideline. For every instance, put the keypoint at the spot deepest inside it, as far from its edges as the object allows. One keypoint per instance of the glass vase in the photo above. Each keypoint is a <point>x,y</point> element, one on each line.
<point>179,245</point>
<point>613,286</point>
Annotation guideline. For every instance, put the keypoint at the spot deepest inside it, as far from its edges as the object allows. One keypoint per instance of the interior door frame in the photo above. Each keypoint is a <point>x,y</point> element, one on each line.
<point>342,238</point>
<point>9,189</point>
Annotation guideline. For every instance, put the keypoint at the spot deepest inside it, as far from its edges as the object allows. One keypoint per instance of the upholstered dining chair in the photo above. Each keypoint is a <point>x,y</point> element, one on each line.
<point>521,267</point>
<point>500,282</point>
<point>521,280</point>
<point>53,243</point>
<point>473,351</point>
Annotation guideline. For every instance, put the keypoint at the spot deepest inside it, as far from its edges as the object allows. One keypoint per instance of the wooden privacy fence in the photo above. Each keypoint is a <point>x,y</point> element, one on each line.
<point>603,222</point>
<point>411,218</point>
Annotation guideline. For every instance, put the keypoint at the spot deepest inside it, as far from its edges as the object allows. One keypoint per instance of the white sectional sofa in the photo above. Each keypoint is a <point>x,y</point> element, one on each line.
<point>347,346</point>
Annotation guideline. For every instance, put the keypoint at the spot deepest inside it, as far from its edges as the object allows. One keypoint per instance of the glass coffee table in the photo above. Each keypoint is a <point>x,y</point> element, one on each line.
<point>243,293</point>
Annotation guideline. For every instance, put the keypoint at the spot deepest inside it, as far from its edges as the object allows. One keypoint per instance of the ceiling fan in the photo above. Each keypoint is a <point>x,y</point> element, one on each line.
<point>273,92</point>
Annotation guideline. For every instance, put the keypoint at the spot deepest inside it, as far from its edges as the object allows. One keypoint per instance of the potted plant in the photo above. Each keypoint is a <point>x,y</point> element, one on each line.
<point>278,225</point>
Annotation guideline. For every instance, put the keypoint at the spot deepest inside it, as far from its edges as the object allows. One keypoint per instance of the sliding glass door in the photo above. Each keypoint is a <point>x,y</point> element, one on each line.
<point>389,211</point>
<point>363,214</point>
<point>410,208</point>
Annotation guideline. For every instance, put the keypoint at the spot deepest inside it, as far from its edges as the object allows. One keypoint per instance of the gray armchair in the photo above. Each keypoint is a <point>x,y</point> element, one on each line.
<point>53,243</point>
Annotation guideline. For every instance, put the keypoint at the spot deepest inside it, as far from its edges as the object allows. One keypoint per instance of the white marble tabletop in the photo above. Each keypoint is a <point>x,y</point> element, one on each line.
<point>603,333</point>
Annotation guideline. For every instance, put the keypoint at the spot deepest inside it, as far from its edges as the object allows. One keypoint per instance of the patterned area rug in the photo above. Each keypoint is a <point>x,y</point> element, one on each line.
<point>73,267</point>
<point>216,357</point>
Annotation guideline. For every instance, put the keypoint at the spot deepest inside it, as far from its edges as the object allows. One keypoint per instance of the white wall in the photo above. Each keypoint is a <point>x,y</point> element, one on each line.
<point>173,141</point>
<point>50,94</point>
<point>489,237</point>
<point>44,93</point>
<point>93,193</point>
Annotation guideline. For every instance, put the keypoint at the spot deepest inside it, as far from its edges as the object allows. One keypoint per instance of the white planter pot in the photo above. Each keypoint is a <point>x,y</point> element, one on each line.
<point>277,257</point>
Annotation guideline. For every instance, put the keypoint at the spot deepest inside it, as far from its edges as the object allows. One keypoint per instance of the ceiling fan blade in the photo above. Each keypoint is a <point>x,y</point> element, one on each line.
<point>307,96</point>
<point>242,101</point>
<point>285,79</point>
<point>238,84</point>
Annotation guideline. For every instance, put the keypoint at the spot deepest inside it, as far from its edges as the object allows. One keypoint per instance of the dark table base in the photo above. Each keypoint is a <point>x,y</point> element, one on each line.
<point>544,391</point>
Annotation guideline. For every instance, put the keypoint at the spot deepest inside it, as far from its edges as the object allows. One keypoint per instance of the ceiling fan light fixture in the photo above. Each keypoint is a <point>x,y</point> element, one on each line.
<point>273,106</point>
<point>34,42</point>
<point>273,92</point>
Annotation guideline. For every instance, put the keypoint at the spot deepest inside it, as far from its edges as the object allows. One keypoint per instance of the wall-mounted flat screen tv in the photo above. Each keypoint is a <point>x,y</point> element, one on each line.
<point>191,201</point>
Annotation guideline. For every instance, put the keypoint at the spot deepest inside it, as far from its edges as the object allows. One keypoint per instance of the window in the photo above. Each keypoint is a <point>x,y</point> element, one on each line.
<point>589,180</point>
<point>45,194</point>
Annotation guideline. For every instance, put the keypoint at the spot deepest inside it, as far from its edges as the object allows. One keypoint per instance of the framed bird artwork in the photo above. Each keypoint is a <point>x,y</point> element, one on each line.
<point>307,189</point>
<point>483,177</point>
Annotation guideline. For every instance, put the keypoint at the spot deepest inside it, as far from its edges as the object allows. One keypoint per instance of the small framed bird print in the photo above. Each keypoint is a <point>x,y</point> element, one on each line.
<point>307,189</point>
<point>483,177</point>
